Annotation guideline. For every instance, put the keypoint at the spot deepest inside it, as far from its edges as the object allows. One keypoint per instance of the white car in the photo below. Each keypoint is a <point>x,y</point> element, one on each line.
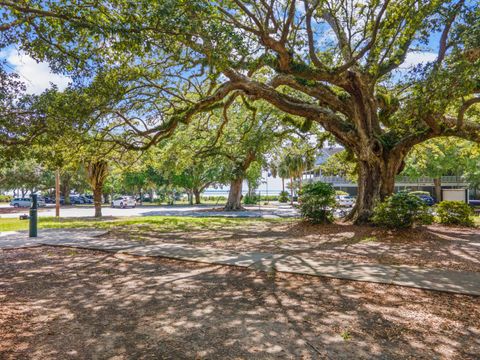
<point>26,202</point>
<point>345,200</point>
<point>124,201</point>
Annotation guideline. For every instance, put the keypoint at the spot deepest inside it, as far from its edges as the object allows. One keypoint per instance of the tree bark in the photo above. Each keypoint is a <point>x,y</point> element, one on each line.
<point>291,191</point>
<point>97,174</point>
<point>197,193</point>
<point>97,200</point>
<point>376,181</point>
<point>234,201</point>
<point>65,186</point>
<point>283,184</point>
<point>437,182</point>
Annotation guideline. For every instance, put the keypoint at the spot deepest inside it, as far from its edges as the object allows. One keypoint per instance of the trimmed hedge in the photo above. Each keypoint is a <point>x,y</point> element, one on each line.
<point>455,213</point>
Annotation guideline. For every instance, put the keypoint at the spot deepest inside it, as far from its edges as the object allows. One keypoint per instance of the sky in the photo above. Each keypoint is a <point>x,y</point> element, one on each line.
<point>37,76</point>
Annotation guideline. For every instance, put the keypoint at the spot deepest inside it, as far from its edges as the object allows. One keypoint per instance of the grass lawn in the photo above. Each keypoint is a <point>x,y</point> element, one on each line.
<point>147,223</point>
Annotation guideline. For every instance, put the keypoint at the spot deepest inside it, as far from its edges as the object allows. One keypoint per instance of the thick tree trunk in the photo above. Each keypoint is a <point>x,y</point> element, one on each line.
<point>197,193</point>
<point>234,201</point>
<point>376,181</point>
<point>97,200</point>
<point>283,184</point>
<point>438,188</point>
<point>65,186</point>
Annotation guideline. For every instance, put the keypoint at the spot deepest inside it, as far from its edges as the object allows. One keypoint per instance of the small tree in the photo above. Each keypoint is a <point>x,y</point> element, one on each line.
<point>317,202</point>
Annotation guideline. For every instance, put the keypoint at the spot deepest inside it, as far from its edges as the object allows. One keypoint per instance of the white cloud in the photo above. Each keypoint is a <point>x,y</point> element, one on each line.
<point>37,76</point>
<point>416,58</point>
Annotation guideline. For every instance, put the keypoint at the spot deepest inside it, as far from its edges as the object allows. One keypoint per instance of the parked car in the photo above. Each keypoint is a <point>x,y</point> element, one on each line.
<point>86,200</point>
<point>62,200</point>
<point>124,201</point>
<point>26,202</point>
<point>345,200</point>
<point>75,199</point>
<point>427,199</point>
<point>474,203</point>
<point>49,200</point>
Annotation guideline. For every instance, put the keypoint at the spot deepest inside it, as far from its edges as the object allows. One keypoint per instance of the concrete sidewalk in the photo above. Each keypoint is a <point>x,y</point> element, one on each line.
<point>460,282</point>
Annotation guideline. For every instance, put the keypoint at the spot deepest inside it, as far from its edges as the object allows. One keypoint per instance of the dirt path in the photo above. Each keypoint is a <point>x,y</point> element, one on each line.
<point>66,303</point>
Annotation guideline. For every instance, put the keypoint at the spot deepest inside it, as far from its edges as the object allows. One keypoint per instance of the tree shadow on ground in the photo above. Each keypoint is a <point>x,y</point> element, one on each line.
<point>431,246</point>
<point>60,303</point>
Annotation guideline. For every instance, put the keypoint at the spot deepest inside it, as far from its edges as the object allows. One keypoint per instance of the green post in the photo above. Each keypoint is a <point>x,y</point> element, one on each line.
<point>33,217</point>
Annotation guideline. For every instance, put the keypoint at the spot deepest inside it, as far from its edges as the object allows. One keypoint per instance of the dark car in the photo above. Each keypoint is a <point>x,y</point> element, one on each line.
<point>49,200</point>
<point>427,199</point>
<point>62,200</point>
<point>86,199</point>
<point>76,200</point>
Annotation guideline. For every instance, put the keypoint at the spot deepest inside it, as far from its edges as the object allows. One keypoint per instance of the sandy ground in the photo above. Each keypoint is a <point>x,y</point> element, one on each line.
<point>438,246</point>
<point>66,303</point>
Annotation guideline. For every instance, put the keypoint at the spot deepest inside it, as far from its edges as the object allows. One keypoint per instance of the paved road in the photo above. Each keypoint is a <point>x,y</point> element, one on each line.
<point>274,211</point>
<point>461,282</point>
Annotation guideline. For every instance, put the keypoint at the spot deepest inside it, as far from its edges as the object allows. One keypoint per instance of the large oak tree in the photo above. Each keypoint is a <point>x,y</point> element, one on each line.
<point>337,63</point>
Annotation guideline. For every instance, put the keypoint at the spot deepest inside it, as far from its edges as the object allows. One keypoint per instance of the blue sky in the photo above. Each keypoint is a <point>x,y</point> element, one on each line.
<point>36,76</point>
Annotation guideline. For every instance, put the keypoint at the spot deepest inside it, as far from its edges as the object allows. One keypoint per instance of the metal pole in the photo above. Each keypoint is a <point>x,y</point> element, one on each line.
<point>57,193</point>
<point>33,217</point>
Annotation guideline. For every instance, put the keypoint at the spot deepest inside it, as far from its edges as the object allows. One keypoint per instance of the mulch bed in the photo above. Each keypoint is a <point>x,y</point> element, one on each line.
<point>454,248</point>
<point>70,303</point>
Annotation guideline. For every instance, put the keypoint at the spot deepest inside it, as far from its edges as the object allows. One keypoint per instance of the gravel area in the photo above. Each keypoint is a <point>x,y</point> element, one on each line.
<point>454,248</point>
<point>80,304</point>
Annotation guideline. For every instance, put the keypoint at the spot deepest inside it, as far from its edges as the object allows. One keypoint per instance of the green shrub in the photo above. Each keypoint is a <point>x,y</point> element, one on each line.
<point>341,192</point>
<point>250,199</point>
<point>283,197</point>
<point>218,198</point>
<point>317,202</point>
<point>269,197</point>
<point>401,210</point>
<point>5,198</point>
<point>455,213</point>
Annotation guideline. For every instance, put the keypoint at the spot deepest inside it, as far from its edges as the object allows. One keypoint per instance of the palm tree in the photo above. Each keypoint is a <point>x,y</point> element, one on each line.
<point>293,166</point>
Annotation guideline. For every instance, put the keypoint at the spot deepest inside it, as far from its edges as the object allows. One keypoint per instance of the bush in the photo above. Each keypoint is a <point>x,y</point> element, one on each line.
<point>455,213</point>
<point>341,192</point>
<point>5,198</point>
<point>269,197</point>
<point>250,199</point>
<point>317,202</point>
<point>283,197</point>
<point>401,210</point>
<point>218,198</point>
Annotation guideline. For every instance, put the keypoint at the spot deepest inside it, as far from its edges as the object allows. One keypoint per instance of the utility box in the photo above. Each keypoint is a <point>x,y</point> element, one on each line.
<point>455,195</point>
